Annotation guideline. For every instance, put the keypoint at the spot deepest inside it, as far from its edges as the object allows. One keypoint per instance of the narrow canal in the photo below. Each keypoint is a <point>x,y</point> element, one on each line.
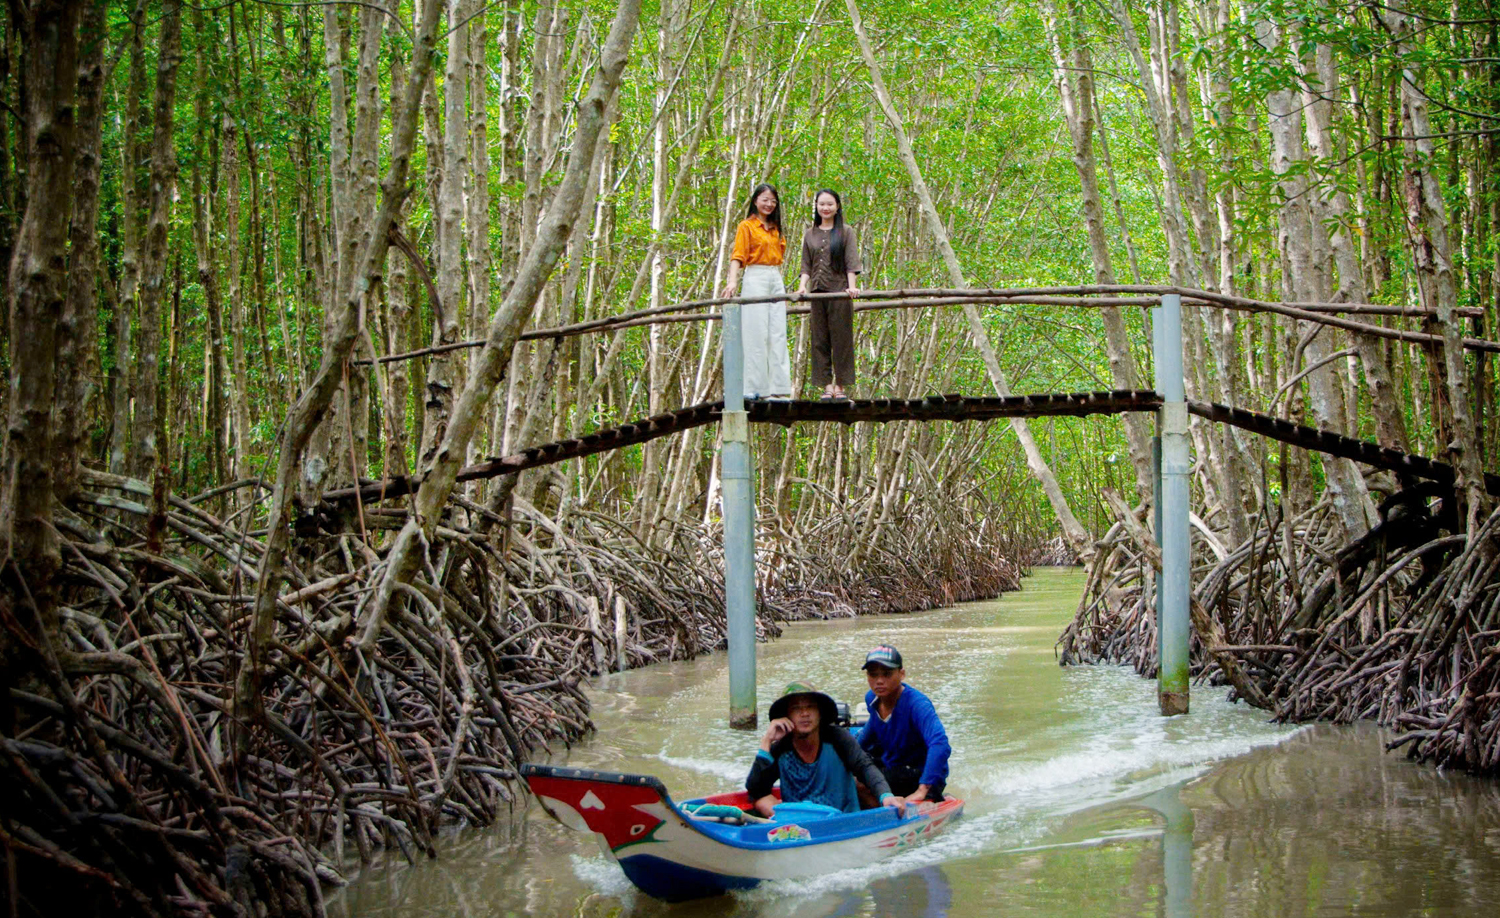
<point>1081,801</point>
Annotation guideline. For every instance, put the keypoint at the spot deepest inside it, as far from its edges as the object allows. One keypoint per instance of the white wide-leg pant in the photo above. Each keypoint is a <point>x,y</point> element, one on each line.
<point>768,365</point>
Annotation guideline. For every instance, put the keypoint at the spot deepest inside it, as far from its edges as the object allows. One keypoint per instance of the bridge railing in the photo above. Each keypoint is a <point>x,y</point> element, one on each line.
<point>1088,296</point>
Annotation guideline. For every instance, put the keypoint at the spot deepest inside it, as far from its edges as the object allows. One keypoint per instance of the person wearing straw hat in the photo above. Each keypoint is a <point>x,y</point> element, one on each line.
<point>815,760</point>
<point>903,734</point>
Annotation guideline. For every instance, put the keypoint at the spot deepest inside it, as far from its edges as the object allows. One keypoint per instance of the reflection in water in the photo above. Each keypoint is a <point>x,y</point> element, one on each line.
<point>921,893</point>
<point>1329,822</point>
<point>1081,800</point>
<point>1177,849</point>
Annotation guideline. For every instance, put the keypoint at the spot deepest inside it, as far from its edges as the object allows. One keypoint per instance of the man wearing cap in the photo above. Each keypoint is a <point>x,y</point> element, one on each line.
<point>903,734</point>
<point>816,760</point>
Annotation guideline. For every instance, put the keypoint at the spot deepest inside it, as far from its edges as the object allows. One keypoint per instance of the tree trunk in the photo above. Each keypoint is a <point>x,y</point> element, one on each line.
<point>543,387</point>
<point>1337,213</point>
<point>1427,219</point>
<point>203,249</point>
<point>509,141</point>
<point>1078,110</point>
<point>38,277</point>
<point>238,393</point>
<point>652,453</point>
<point>1302,241</point>
<point>1179,251</point>
<point>1216,228</point>
<point>445,372</point>
<point>305,416</point>
<point>126,305</point>
<point>397,323</point>
<point>77,351</point>
<point>145,452</point>
<point>477,217</point>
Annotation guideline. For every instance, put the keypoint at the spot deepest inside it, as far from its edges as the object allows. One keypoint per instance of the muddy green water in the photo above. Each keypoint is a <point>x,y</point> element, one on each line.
<point>1081,801</point>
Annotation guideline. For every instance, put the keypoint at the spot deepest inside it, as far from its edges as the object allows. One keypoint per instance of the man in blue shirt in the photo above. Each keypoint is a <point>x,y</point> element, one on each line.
<point>903,734</point>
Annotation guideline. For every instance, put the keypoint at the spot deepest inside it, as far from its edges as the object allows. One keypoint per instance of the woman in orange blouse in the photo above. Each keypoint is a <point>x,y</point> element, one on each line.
<point>759,246</point>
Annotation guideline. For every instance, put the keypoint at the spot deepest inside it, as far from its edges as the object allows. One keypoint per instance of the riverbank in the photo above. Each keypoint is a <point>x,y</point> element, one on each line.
<point>1067,774</point>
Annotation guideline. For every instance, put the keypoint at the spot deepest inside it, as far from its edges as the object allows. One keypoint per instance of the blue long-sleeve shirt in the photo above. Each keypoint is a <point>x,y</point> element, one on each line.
<point>911,736</point>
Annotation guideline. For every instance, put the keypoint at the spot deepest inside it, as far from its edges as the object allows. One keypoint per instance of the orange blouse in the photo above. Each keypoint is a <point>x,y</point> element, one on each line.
<point>754,244</point>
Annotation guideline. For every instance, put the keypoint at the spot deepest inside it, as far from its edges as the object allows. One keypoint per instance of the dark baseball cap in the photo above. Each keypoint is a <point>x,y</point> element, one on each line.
<point>884,655</point>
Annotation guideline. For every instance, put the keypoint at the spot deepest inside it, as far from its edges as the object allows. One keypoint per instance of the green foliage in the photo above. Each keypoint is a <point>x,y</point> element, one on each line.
<point>974,83</point>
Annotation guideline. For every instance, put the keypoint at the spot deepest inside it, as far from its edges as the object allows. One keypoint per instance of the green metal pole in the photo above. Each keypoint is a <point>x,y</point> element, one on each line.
<point>739,528</point>
<point>1173,625</point>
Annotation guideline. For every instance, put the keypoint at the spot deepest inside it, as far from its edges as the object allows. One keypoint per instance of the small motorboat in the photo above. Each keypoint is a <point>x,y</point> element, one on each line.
<point>708,846</point>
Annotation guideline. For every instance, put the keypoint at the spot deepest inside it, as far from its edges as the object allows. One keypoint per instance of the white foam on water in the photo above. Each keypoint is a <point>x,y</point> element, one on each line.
<point>965,838</point>
<point>719,768</point>
<point>1118,745</point>
<point>1108,771</point>
<point>1127,751</point>
<point>1102,775</point>
<point>605,877</point>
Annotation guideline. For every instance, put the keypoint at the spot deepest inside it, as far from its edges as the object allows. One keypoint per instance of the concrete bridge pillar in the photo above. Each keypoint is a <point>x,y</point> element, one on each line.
<point>1174,587</point>
<point>739,527</point>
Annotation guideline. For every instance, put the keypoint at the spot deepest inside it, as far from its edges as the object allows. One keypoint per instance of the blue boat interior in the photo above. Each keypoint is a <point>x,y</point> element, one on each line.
<point>801,824</point>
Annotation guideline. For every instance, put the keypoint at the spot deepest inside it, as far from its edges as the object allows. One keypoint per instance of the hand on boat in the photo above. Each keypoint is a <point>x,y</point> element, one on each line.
<point>766,806</point>
<point>896,803</point>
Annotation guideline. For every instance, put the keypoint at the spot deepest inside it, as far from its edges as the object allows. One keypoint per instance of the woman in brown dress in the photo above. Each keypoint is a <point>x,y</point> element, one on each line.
<point>830,263</point>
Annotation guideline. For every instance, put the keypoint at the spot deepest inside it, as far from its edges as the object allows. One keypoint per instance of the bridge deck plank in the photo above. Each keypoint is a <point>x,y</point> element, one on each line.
<point>947,407</point>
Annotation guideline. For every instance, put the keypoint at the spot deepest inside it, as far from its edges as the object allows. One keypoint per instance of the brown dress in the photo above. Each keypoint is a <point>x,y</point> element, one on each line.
<point>832,320</point>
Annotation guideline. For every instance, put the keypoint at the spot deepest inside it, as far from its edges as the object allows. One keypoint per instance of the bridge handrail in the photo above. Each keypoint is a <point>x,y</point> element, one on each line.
<point>1093,296</point>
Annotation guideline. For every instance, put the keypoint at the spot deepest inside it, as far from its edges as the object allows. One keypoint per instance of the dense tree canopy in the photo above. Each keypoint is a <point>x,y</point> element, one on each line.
<point>272,129</point>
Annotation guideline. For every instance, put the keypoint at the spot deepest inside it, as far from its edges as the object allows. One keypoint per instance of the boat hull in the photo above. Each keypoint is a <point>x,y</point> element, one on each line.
<point>671,856</point>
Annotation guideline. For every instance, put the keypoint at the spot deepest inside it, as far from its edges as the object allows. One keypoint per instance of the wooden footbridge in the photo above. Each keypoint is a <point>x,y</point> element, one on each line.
<point>1171,455</point>
<point>951,407</point>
